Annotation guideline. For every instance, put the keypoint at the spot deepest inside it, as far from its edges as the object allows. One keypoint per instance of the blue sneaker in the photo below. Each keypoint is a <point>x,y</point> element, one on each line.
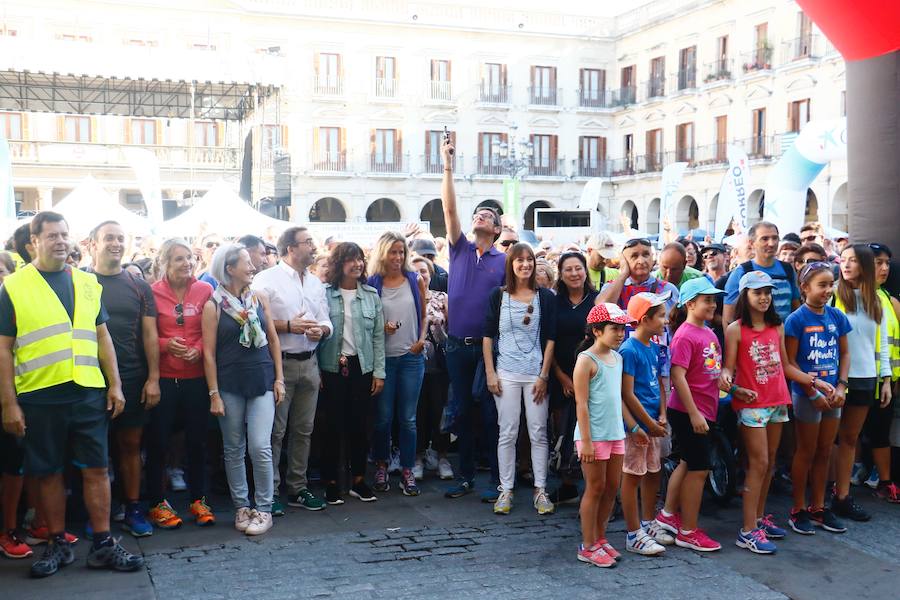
<point>136,523</point>
<point>491,495</point>
<point>858,474</point>
<point>755,542</point>
<point>872,481</point>
<point>801,522</point>
<point>460,489</point>
<point>772,530</point>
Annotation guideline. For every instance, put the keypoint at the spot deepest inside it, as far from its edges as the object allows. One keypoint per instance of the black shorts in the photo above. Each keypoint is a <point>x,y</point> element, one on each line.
<point>133,415</point>
<point>862,392</point>
<point>693,447</point>
<point>12,454</point>
<point>76,430</point>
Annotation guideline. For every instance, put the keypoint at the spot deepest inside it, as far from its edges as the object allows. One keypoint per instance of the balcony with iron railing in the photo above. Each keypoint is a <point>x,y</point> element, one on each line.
<point>386,88</point>
<point>388,164</point>
<point>710,155</point>
<point>326,161</point>
<point>491,93</point>
<point>594,98</point>
<point>440,91</point>
<point>718,70</point>
<point>757,60</point>
<point>86,153</point>
<point>328,85</point>
<point>488,165</point>
<point>433,165</point>
<point>655,88</point>
<point>547,167</point>
<point>542,95</point>
<point>623,96</point>
<point>760,147</point>
<point>685,154</point>
<point>686,79</point>
<point>652,162</point>
<point>592,167</point>
<point>806,47</point>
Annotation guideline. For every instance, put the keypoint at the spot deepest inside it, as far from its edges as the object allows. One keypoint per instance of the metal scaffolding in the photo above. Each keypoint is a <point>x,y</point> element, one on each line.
<point>86,94</point>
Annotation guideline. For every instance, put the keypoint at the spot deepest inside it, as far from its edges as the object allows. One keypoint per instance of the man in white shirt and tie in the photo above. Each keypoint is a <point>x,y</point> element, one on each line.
<point>299,309</point>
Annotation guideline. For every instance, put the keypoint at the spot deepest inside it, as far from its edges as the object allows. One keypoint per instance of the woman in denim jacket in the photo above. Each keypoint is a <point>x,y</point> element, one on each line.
<point>352,364</point>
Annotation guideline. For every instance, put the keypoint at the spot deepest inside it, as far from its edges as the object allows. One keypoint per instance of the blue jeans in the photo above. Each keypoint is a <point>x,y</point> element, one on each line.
<point>400,395</point>
<point>258,414</point>
<point>463,362</point>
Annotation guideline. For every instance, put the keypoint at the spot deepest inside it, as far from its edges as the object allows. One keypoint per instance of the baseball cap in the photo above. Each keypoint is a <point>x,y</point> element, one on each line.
<point>604,245</point>
<point>644,301</point>
<point>607,312</point>
<point>754,280</point>
<point>423,247</point>
<point>699,286</point>
<point>714,247</point>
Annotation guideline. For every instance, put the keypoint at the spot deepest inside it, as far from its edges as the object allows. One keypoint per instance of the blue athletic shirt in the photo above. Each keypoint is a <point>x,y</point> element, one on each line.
<point>818,352</point>
<point>641,362</point>
<point>785,291</point>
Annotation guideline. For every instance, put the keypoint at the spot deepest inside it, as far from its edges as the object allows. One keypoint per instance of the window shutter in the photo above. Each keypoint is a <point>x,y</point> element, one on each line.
<point>532,76</point>
<point>433,69</point>
<point>284,138</point>
<point>481,155</point>
<point>503,75</point>
<point>601,149</point>
<point>317,154</point>
<point>340,66</point>
<point>127,135</point>
<point>790,117</point>
<point>159,132</point>
<point>25,133</point>
<point>316,56</point>
<point>398,142</point>
<point>61,128</point>
<point>552,79</point>
<point>553,148</point>
<point>581,140</point>
<point>342,139</point>
<point>93,124</point>
<point>219,129</point>
<point>427,145</point>
<point>372,142</point>
<point>453,138</point>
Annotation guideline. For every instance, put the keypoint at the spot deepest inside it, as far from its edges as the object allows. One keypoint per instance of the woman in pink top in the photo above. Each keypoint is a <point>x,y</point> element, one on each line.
<point>754,345</point>
<point>180,298</point>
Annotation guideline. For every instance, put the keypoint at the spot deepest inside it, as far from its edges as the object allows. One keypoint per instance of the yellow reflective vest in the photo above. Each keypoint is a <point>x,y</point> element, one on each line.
<point>51,349</point>
<point>17,258</point>
<point>893,328</point>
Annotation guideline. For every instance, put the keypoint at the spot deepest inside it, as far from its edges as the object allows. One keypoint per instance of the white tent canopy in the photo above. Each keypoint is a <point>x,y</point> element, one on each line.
<point>89,204</point>
<point>223,212</point>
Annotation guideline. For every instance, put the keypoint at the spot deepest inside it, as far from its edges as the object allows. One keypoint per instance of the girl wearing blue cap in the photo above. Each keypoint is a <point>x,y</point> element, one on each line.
<point>754,373</point>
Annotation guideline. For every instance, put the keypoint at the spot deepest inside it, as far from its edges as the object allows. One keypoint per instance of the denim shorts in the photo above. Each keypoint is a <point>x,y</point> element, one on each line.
<point>760,417</point>
<point>806,412</point>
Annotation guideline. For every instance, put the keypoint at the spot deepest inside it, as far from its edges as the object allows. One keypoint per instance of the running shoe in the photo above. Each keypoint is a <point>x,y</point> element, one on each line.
<point>118,514</point>
<point>164,516</point>
<point>260,523</point>
<point>604,544</point>
<point>596,557</point>
<point>672,523</point>
<point>846,507</point>
<point>55,556</point>
<point>14,547</point>
<point>827,520</point>
<point>801,522</point>
<point>858,474</point>
<point>697,540</point>
<point>872,480</point>
<point>203,514</point>
<point>542,503</point>
<point>460,489</point>
<point>887,490</point>
<point>490,495</point>
<point>643,543</point>
<point>418,469</point>
<point>176,480</point>
<point>772,530</point>
<point>242,517</point>
<point>136,523</point>
<point>306,499</point>
<point>444,469</point>
<point>394,464</point>
<point>34,536</point>
<point>755,541</point>
<point>277,507</point>
<point>333,494</point>
<point>111,555</point>
<point>431,460</point>
<point>362,492</point>
<point>656,531</point>
<point>382,482</point>
<point>504,503</point>
<point>408,483</point>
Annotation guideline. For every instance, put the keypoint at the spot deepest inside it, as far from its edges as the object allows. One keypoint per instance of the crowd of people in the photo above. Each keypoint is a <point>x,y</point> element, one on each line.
<point>316,362</point>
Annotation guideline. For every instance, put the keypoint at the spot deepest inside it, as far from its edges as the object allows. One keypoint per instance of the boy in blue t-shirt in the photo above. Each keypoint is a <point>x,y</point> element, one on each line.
<point>645,421</point>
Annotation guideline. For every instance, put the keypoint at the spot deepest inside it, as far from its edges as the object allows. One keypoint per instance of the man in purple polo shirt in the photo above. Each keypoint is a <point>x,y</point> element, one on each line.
<point>475,269</point>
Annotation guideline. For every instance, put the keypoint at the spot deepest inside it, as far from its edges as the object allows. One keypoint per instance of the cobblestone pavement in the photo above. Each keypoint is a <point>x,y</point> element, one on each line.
<point>430,547</point>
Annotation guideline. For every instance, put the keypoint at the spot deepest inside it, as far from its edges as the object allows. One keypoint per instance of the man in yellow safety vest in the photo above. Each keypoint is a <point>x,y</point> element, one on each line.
<point>56,359</point>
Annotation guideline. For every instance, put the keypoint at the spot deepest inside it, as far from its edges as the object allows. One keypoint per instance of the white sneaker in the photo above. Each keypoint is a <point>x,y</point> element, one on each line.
<point>242,518</point>
<point>643,544</point>
<point>660,535</point>
<point>431,459</point>
<point>445,469</point>
<point>542,503</point>
<point>176,480</point>
<point>261,523</point>
<point>394,464</point>
<point>418,469</point>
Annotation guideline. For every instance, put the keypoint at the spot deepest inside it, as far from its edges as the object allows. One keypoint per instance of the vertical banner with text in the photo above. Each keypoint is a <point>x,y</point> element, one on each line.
<point>733,193</point>
<point>511,209</point>
<point>671,181</point>
<point>7,196</point>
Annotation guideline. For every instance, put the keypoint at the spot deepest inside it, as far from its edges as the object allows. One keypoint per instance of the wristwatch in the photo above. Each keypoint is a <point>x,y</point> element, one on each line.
<point>544,377</point>
<point>844,382</point>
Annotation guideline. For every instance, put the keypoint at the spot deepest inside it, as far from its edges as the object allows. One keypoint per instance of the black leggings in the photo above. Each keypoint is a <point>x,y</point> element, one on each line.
<point>432,400</point>
<point>347,404</point>
<point>878,425</point>
<point>188,398</point>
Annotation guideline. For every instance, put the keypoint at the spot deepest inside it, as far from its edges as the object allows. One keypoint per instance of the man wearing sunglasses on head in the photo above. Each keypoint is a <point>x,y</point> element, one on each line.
<point>476,268</point>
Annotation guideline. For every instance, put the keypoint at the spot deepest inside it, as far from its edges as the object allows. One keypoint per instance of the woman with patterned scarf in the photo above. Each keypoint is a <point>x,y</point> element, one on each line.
<point>242,360</point>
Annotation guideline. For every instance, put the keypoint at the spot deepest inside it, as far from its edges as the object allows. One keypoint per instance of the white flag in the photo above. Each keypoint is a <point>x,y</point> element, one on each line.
<point>7,197</point>
<point>671,181</point>
<point>146,168</point>
<point>733,193</point>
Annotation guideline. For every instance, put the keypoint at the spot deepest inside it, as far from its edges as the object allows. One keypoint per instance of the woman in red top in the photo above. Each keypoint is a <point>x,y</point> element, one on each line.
<point>754,344</point>
<point>180,298</point>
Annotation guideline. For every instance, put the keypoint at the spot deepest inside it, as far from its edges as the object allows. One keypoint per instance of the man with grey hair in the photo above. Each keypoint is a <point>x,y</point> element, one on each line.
<point>299,310</point>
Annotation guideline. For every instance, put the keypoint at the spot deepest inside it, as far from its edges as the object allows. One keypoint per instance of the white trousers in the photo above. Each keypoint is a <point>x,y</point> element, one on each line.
<point>509,412</point>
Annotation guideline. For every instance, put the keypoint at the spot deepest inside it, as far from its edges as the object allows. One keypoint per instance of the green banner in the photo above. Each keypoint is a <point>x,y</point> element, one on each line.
<point>511,208</point>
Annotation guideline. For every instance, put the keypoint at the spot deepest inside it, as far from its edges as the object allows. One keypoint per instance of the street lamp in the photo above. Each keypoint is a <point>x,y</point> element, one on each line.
<point>514,157</point>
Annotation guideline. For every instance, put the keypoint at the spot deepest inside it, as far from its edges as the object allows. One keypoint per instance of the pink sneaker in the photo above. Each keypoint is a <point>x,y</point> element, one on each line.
<point>604,545</point>
<point>671,524</point>
<point>597,557</point>
<point>697,540</point>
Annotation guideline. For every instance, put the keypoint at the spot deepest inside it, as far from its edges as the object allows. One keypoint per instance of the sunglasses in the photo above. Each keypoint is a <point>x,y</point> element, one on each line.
<point>880,249</point>
<point>812,260</point>
<point>813,267</point>
<point>508,243</point>
<point>710,254</point>
<point>808,238</point>
<point>530,311</point>
<point>179,314</point>
<point>210,245</point>
<point>637,241</point>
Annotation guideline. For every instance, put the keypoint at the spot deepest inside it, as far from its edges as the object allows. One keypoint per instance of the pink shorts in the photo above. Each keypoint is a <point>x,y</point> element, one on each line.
<point>641,460</point>
<point>603,450</point>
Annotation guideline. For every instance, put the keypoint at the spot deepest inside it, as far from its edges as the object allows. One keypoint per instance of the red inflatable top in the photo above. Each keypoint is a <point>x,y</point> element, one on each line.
<point>859,30</point>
